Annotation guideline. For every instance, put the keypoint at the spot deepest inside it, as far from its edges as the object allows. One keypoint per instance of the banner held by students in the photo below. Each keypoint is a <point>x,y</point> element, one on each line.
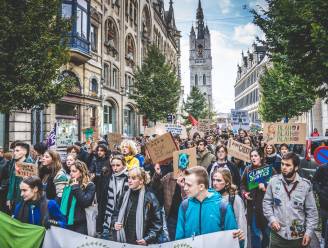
<point>17,234</point>
<point>261,175</point>
<point>239,150</point>
<point>55,239</point>
<point>26,169</point>
<point>288,133</point>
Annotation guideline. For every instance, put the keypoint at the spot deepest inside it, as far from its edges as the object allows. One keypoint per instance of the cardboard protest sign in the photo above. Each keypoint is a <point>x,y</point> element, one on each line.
<point>289,133</point>
<point>239,119</point>
<point>257,176</point>
<point>205,125</point>
<point>114,139</point>
<point>159,129</point>
<point>26,169</point>
<point>176,129</point>
<point>184,159</point>
<point>239,150</point>
<point>161,148</point>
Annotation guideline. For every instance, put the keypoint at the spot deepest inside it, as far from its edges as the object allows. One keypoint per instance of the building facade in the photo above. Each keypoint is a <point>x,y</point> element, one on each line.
<point>247,92</point>
<point>108,42</point>
<point>200,58</point>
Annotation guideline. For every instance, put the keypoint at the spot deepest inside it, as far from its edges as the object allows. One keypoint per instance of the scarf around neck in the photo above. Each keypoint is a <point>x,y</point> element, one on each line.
<point>69,213</point>
<point>139,216</point>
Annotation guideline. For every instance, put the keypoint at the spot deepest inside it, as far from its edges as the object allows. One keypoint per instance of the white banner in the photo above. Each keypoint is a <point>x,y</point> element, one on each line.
<point>61,238</point>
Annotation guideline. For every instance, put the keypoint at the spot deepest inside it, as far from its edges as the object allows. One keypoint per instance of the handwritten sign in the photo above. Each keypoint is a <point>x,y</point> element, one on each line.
<point>205,125</point>
<point>257,176</point>
<point>239,150</point>
<point>279,133</point>
<point>26,169</point>
<point>184,159</point>
<point>159,129</point>
<point>114,139</point>
<point>161,148</point>
<point>175,129</point>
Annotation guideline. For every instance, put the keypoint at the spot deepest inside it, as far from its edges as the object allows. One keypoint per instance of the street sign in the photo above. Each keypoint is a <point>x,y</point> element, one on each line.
<point>321,155</point>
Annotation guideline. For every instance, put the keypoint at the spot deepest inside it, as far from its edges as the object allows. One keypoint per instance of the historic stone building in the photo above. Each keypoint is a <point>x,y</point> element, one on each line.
<point>247,92</point>
<point>200,58</point>
<point>109,41</point>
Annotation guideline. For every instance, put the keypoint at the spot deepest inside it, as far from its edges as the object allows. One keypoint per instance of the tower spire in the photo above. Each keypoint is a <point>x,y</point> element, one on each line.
<point>200,21</point>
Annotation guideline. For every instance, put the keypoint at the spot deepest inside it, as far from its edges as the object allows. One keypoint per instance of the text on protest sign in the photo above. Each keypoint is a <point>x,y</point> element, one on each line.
<point>26,169</point>
<point>114,139</point>
<point>240,119</point>
<point>175,129</point>
<point>205,125</point>
<point>239,150</point>
<point>257,176</point>
<point>279,133</point>
<point>161,148</point>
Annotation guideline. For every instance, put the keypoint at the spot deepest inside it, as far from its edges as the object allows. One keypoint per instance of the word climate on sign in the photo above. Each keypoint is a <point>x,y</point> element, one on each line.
<point>261,175</point>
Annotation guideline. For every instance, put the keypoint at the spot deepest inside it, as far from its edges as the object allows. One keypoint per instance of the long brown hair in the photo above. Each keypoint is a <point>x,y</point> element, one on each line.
<point>226,174</point>
<point>85,178</point>
<point>56,164</point>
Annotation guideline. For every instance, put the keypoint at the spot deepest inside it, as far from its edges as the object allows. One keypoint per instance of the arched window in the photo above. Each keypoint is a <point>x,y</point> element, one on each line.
<point>130,50</point>
<point>76,88</point>
<point>196,80</point>
<point>109,117</point>
<point>111,37</point>
<point>204,79</point>
<point>129,121</point>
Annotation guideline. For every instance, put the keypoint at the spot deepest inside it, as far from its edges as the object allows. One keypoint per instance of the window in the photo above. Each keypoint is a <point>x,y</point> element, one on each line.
<point>111,37</point>
<point>106,74</point>
<point>76,88</point>
<point>94,86</point>
<point>115,78</point>
<point>82,19</point>
<point>94,38</point>
<point>196,80</point>
<point>204,79</point>
<point>67,10</point>
<point>109,117</point>
<point>130,50</point>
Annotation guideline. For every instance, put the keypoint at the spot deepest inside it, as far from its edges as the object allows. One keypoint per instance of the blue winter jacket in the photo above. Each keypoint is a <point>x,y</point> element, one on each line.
<point>35,213</point>
<point>203,217</point>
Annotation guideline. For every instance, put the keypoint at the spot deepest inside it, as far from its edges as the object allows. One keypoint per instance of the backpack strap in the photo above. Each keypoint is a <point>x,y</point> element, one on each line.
<point>223,209</point>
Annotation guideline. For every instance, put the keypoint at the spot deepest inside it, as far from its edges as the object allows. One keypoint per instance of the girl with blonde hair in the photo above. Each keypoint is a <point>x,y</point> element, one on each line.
<point>138,216</point>
<point>78,196</point>
<point>129,151</point>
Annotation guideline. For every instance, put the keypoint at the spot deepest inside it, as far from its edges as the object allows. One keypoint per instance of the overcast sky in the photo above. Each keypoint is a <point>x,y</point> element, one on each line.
<point>232,31</point>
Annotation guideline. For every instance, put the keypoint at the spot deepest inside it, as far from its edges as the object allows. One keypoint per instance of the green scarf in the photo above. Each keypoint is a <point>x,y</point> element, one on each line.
<point>64,205</point>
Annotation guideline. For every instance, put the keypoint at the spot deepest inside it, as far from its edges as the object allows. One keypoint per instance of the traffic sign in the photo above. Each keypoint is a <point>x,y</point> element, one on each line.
<point>321,154</point>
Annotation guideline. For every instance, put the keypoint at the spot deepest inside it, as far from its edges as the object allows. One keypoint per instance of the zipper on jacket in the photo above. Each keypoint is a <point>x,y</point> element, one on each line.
<point>200,218</point>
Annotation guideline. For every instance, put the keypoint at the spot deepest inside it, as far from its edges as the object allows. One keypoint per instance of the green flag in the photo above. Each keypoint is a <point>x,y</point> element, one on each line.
<point>14,234</point>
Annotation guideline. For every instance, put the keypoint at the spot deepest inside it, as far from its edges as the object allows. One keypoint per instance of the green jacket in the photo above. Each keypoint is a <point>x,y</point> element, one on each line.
<point>14,193</point>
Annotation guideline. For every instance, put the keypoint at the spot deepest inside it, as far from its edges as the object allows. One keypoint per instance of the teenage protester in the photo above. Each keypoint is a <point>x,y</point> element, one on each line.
<point>221,153</point>
<point>248,142</point>
<point>37,152</point>
<point>138,216</point>
<point>210,146</point>
<point>114,184</point>
<point>3,181</point>
<point>80,153</point>
<point>320,186</point>
<point>54,177</point>
<point>242,135</point>
<point>139,155</point>
<point>204,156</point>
<point>97,165</point>
<point>290,207</point>
<point>272,158</point>
<point>203,211</point>
<point>171,188</point>
<point>78,196</point>
<point>21,154</point>
<point>254,198</point>
<point>70,160</point>
<point>283,149</point>
<point>129,151</point>
<point>34,208</point>
<point>196,137</point>
<point>222,183</point>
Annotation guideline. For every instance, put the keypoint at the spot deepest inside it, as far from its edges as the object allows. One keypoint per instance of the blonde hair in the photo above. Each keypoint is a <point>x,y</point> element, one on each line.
<point>132,146</point>
<point>141,174</point>
<point>226,174</point>
<point>85,178</point>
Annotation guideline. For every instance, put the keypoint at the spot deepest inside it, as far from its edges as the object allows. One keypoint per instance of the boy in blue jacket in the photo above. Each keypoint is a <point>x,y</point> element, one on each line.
<point>204,211</point>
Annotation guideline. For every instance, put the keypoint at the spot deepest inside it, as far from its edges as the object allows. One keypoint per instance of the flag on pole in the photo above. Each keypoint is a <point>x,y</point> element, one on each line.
<point>51,139</point>
<point>193,121</point>
<point>17,234</point>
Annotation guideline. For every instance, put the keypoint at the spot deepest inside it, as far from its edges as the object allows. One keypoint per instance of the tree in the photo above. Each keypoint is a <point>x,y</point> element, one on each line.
<point>196,104</point>
<point>297,35</point>
<point>156,90</point>
<point>283,95</point>
<point>33,46</point>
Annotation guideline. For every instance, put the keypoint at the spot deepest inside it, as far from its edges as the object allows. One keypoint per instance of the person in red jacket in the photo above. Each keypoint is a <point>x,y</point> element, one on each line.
<point>315,133</point>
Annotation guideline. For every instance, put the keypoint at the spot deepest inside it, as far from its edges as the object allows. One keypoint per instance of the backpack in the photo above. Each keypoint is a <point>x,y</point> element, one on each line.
<point>223,209</point>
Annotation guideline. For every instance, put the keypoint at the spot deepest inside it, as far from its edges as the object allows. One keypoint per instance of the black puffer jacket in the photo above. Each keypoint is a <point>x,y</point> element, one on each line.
<point>152,216</point>
<point>320,185</point>
<point>98,164</point>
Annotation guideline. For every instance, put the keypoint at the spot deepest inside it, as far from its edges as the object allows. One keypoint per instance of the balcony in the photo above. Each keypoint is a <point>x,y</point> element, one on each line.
<point>79,50</point>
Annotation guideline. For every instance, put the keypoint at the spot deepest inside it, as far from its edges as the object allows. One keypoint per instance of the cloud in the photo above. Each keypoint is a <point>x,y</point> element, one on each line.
<point>258,5</point>
<point>225,6</point>
<point>246,34</point>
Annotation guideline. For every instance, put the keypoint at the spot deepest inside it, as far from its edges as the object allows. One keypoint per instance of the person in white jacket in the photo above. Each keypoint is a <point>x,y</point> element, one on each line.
<point>222,183</point>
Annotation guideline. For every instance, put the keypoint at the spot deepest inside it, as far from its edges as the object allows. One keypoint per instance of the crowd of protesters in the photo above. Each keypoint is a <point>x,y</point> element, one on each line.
<point>144,203</point>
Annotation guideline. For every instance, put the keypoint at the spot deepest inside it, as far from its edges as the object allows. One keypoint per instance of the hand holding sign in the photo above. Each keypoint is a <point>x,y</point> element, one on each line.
<point>26,169</point>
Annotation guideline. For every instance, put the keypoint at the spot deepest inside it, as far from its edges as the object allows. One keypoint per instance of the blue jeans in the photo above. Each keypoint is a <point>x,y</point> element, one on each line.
<point>260,237</point>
